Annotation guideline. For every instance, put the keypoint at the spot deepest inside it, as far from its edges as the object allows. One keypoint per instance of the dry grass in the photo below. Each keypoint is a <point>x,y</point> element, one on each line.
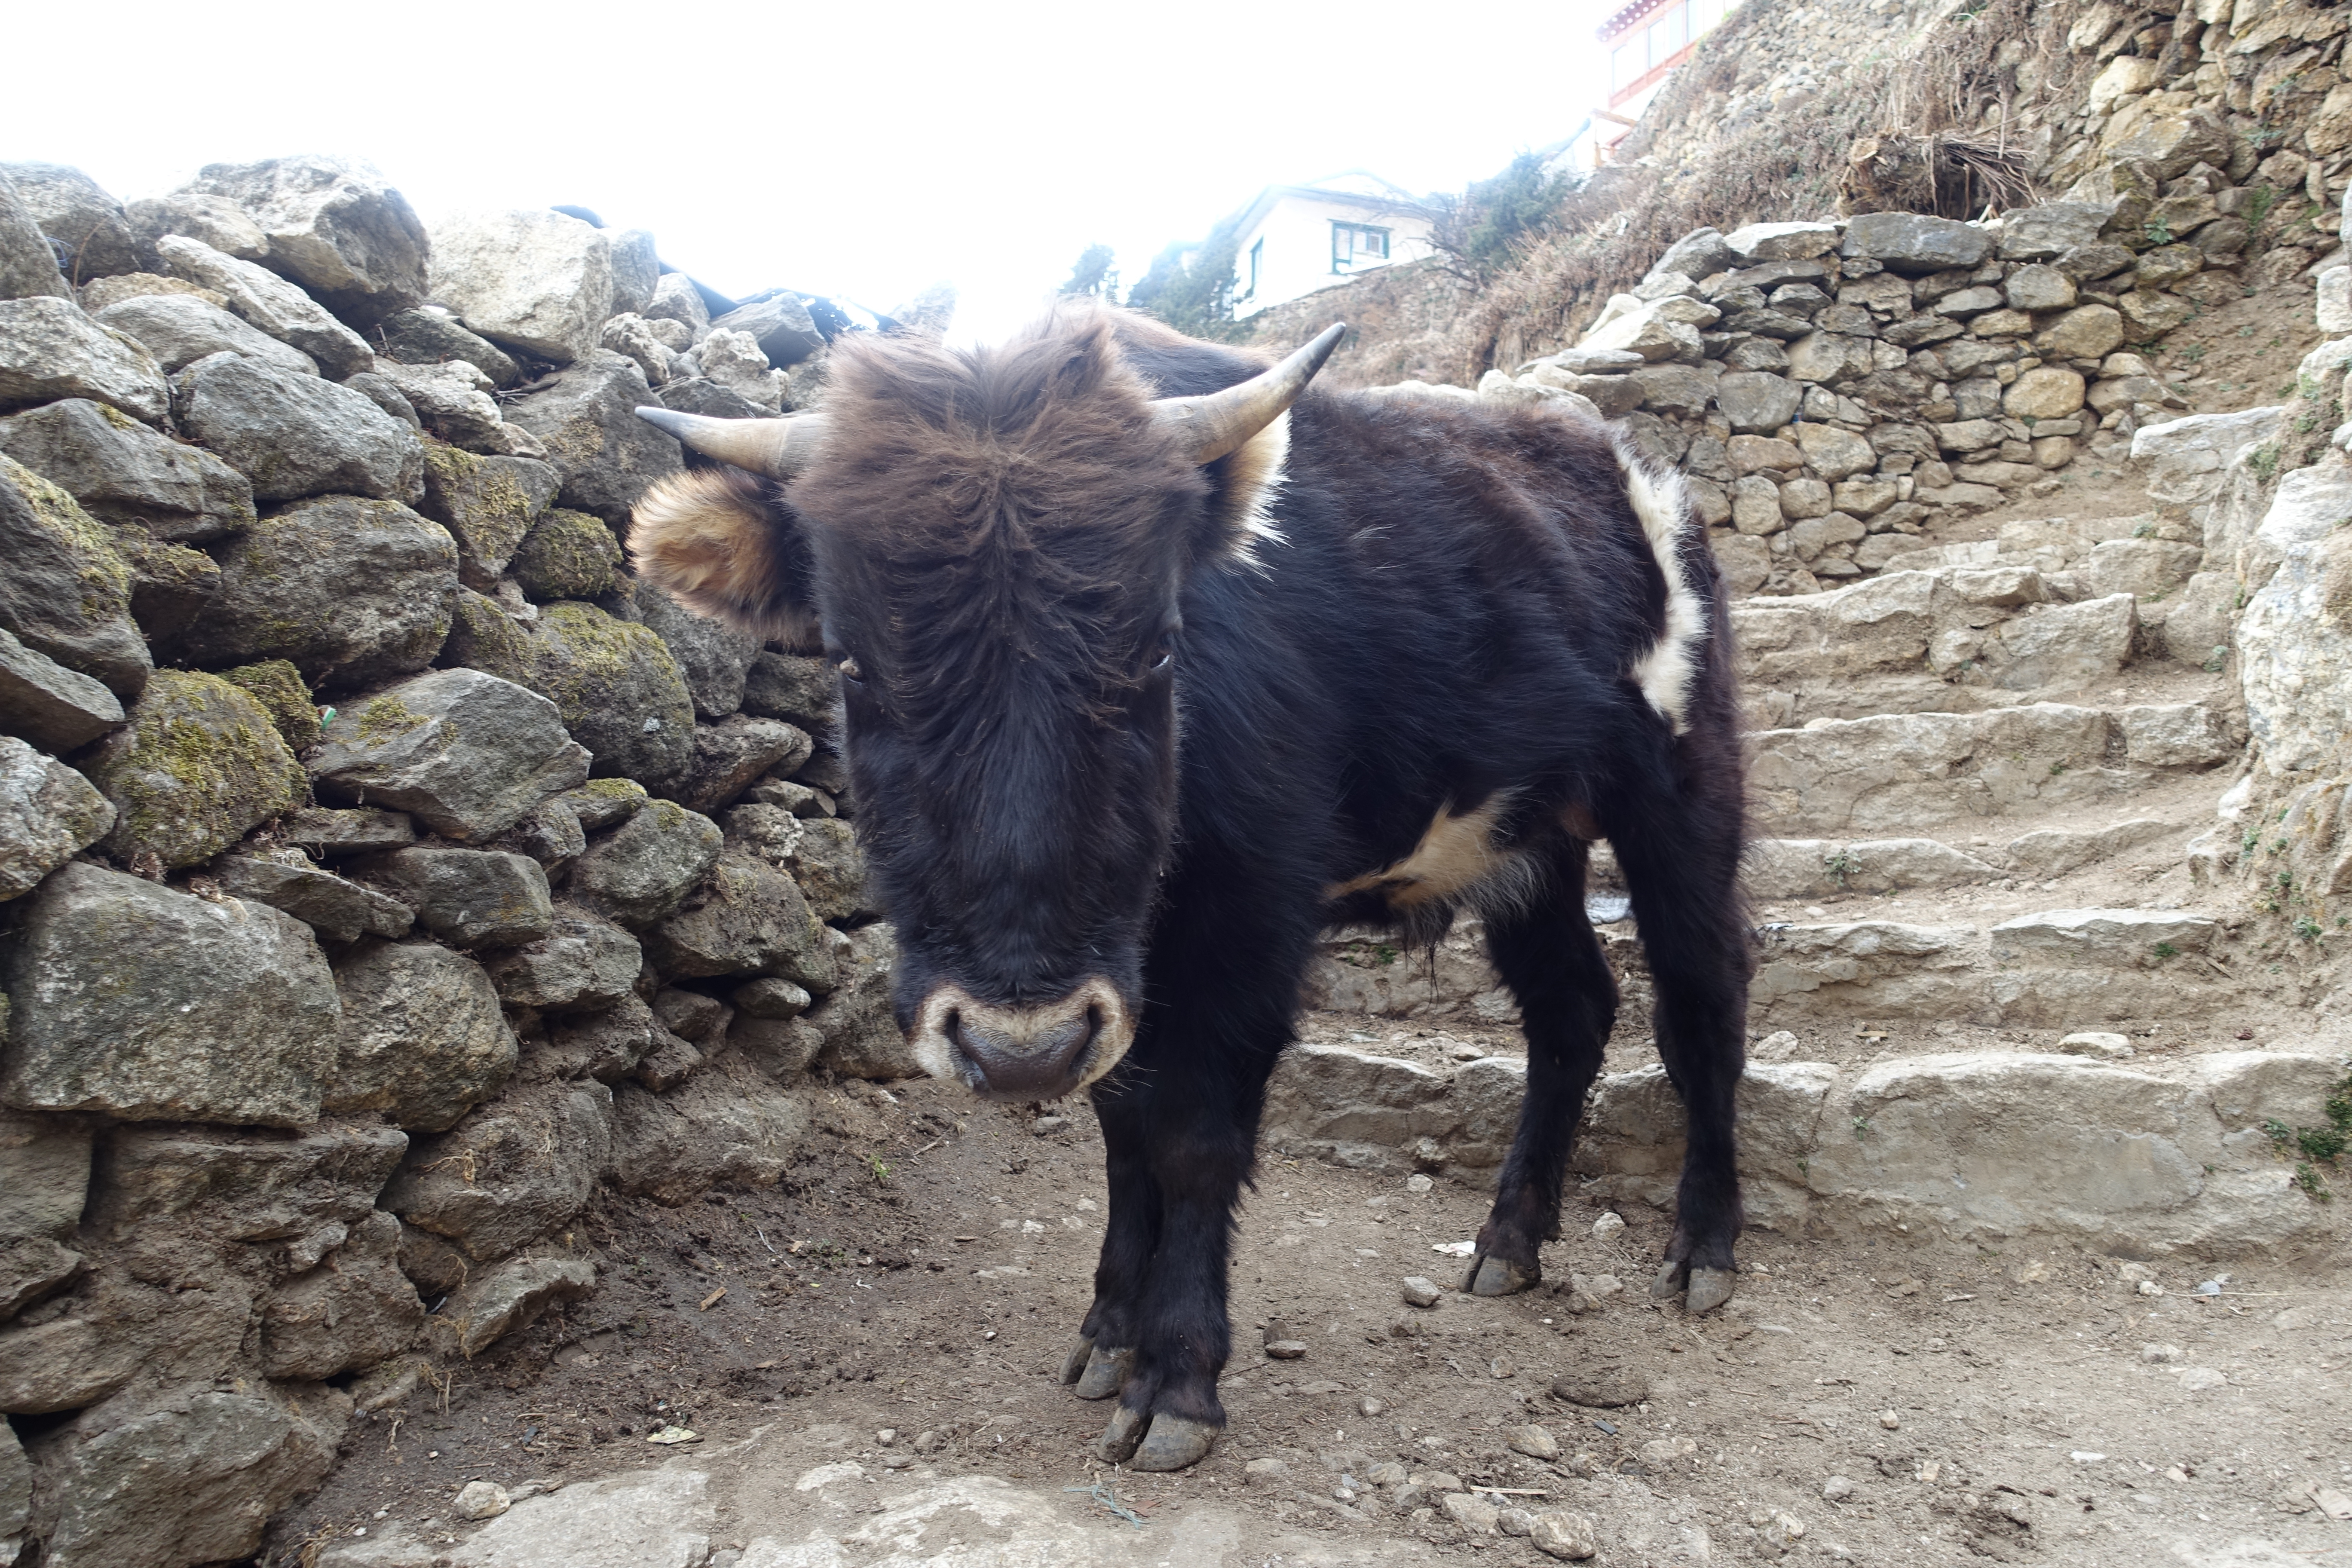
<point>1948,100</point>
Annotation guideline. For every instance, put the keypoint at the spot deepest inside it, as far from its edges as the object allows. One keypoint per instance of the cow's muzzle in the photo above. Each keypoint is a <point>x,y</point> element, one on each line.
<point>1022,1053</point>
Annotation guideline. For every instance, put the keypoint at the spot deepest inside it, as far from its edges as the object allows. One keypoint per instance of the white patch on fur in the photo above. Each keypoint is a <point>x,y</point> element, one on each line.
<point>1664,672</point>
<point>1254,477</point>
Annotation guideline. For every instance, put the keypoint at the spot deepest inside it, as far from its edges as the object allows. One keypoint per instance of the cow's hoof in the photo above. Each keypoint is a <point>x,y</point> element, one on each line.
<point>1709,1289</point>
<point>1671,1279</point>
<point>1074,1365</point>
<point>1499,1276</point>
<point>1174,1443</point>
<point>1116,1443</point>
<point>1105,1374</point>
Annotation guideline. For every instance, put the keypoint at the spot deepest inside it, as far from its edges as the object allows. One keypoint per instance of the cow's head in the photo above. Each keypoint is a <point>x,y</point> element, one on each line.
<point>993,544</point>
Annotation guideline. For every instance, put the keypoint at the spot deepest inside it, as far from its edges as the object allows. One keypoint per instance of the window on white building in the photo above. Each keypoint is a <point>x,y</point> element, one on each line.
<point>1668,33</point>
<point>1355,244</point>
<point>1256,268</point>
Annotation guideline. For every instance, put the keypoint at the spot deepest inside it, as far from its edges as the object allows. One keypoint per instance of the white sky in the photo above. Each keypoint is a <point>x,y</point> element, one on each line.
<point>864,150</point>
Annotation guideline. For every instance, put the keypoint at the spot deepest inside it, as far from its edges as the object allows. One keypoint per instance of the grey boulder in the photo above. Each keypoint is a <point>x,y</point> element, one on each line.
<point>180,329</point>
<point>862,1037</point>
<point>332,225</point>
<point>803,691</point>
<point>192,1479</point>
<point>423,1040</point>
<point>730,1124</point>
<point>746,918</point>
<point>714,658</point>
<point>49,350</point>
<point>582,964</point>
<point>57,708</point>
<point>509,1173</point>
<point>242,1185</point>
<point>729,755</point>
<point>210,1012</point>
<point>587,418</point>
<point>346,1315</point>
<point>472,898</point>
<point>349,591</point>
<point>467,753</point>
<point>49,814</point>
<point>643,872</point>
<point>85,222</point>
<point>433,335</point>
<point>1914,243</point>
<point>536,279</point>
<point>121,471</point>
<point>269,302</point>
<point>512,1296</point>
<point>213,221</point>
<point>781,326</point>
<point>452,400</point>
<point>339,911</point>
<point>294,435</point>
<point>27,266</point>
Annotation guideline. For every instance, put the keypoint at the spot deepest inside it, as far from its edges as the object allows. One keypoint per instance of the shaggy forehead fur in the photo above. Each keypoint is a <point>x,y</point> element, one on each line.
<point>1010,510</point>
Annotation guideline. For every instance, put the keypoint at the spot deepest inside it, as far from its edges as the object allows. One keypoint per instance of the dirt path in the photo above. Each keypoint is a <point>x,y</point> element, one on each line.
<point>1973,1404</point>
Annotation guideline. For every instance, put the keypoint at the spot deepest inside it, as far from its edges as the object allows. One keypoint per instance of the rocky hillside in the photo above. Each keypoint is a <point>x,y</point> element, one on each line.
<point>383,868</point>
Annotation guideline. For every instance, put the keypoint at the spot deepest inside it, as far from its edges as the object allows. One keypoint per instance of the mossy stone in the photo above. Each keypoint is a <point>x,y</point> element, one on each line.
<point>568,556</point>
<point>485,637</point>
<point>198,766</point>
<point>488,504</point>
<point>620,692</point>
<point>66,591</point>
<point>278,686</point>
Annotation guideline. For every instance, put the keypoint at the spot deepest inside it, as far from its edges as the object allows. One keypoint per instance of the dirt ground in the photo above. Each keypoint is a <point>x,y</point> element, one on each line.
<point>924,1271</point>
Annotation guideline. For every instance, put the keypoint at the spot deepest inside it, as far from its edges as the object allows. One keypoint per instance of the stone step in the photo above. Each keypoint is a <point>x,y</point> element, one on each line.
<point>2048,969</point>
<point>1826,868</point>
<point>2156,1159</point>
<point>2055,969</point>
<point>1902,773</point>
<point>2043,611</point>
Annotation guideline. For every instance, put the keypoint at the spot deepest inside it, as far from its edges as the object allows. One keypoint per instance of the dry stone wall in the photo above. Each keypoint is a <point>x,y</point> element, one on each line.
<point>385,869</point>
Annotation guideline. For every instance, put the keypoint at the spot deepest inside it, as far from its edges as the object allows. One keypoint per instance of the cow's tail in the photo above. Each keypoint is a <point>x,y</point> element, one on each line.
<point>1667,670</point>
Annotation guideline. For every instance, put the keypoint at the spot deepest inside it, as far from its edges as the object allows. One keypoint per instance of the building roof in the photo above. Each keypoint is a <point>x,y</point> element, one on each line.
<point>1354,187</point>
<point>1633,15</point>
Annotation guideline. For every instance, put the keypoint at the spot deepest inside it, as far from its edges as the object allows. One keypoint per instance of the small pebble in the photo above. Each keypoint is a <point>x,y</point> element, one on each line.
<point>1837,1489</point>
<point>2096,1042</point>
<point>2160,1355</point>
<point>1607,1226</point>
<point>1046,1126</point>
<point>1570,1536</point>
<point>482,1499</point>
<point>1418,1184</point>
<point>1265,1470</point>
<point>1888,1419</point>
<point>1535,1442</point>
<point>1368,1405</point>
<point>1515,1522</point>
<point>1500,1367</point>
<point>888,1435</point>
<point>1287,1350</point>
<point>1420,1291</point>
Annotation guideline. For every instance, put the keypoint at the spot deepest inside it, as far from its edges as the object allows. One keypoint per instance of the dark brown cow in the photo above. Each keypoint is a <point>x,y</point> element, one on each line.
<point>1155,666</point>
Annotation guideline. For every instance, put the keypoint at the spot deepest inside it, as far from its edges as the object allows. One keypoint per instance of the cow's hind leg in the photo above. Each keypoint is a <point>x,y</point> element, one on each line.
<point>1681,860</point>
<point>1099,1365</point>
<point>1552,961</point>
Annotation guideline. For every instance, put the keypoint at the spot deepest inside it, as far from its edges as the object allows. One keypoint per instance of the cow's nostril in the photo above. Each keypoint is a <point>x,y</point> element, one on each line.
<point>1031,1053</point>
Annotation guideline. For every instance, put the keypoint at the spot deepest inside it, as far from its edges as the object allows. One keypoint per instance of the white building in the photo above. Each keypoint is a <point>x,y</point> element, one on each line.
<point>1296,239</point>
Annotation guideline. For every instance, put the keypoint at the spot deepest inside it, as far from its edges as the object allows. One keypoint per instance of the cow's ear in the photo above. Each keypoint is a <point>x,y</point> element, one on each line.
<point>1247,481</point>
<point>725,543</point>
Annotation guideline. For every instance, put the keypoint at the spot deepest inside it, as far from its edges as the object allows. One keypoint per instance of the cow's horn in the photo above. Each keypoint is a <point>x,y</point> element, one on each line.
<point>776,447</point>
<point>1216,422</point>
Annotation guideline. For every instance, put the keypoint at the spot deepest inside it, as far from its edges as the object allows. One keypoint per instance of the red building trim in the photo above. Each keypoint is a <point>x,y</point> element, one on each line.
<point>1652,77</point>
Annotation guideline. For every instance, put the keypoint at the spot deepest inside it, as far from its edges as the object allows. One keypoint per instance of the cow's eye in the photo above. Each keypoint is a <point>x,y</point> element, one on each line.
<point>1162,657</point>
<point>851,673</point>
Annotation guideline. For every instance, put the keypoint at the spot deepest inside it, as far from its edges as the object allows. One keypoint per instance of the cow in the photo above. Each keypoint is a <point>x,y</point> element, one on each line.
<point>1157,664</point>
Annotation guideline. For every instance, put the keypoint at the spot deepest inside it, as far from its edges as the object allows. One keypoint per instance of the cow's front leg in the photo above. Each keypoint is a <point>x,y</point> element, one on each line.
<point>1169,1415</point>
<point>1099,1365</point>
